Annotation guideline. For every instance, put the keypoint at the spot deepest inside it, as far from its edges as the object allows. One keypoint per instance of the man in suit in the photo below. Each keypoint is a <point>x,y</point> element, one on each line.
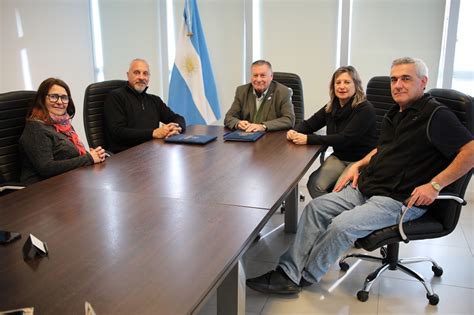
<point>262,105</point>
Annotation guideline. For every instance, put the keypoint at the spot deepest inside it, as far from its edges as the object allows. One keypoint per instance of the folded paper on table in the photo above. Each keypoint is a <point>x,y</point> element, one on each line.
<point>240,135</point>
<point>190,139</point>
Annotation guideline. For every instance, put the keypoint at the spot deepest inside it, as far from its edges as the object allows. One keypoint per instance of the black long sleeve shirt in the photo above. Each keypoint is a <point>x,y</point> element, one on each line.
<point>350,131</point>
<point>131,117</point>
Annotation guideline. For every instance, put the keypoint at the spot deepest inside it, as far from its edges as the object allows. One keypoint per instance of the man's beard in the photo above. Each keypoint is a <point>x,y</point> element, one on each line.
<point>140,87</point>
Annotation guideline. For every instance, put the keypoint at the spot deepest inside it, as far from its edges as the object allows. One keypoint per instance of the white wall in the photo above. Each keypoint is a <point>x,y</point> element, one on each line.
<point>56,36</point>
<point>225,41</point>
<point>300,36</point>
<point>383,31</point>
<point>129,31</point>
<point>2,27</point>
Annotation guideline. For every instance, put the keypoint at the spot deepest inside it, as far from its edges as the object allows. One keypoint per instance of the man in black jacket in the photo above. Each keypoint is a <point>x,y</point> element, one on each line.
<point>423,147</point>
<point>132,116</point>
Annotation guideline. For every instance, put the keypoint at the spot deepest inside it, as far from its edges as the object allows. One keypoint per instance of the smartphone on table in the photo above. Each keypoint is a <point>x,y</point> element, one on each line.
<point>8,237</point>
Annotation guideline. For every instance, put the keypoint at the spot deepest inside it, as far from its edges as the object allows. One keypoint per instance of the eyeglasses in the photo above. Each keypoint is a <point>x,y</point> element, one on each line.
<point>55,98</point>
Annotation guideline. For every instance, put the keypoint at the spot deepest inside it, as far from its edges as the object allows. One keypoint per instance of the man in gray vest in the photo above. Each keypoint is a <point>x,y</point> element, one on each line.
<point>423,147</point>
<point>263,104</point>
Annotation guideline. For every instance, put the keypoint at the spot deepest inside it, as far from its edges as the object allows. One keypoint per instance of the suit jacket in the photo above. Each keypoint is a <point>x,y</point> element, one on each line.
<point>277,110</point>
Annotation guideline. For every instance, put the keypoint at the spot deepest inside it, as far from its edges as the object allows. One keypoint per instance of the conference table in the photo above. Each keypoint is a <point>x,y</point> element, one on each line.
<point>156,229</point>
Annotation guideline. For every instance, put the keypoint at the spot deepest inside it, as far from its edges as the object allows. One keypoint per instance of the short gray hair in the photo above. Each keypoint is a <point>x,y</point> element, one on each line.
<point>262,62</point>
<point>138,59</point>
<point>420,66</point>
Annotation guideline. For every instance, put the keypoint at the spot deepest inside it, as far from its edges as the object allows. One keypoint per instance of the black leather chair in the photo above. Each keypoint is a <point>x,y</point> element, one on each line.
<point>460,104</point>
<point>13,108</point>
<point>379,94</point>
<point>94,99</point>
<point>293,81</point>
<point>440,219</point>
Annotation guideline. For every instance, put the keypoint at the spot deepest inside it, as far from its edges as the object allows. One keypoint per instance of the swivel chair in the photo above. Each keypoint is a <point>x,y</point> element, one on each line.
<point>13,108</point>
<point>440,219</point>
<point>94,99</point>
<point>293,81</point>
<point>380,95</point>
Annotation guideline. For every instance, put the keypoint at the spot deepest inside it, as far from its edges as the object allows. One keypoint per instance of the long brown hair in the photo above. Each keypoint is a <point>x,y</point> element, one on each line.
<point>38,110</point>
<point>359,95</point>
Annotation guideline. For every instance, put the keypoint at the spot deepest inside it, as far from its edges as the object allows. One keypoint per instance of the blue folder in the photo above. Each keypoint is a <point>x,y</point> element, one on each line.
<point>190,139</point>
<point>240,135</point>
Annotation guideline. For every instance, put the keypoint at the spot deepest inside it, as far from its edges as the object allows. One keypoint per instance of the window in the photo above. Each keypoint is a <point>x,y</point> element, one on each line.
<point>463,69</point>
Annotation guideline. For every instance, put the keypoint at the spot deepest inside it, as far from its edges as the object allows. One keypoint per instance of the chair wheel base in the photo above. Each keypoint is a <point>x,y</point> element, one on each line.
<point>362,296</point>
<point>343,265</point>
<point>433,299</point>
<point>438,271</point>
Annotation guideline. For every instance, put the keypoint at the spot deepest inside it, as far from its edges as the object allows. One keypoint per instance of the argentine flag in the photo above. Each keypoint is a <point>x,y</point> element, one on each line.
<point>192,92</point>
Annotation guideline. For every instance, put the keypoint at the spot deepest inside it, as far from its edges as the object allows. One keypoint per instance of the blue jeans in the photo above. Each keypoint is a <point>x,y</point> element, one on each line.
<point>322,180</point>
<point>331,224</point>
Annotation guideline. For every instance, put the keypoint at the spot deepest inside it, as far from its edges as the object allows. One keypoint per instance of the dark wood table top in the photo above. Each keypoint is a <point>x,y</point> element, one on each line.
<point>151,231</point>
<point>256,174</point>
<point>125,253</point>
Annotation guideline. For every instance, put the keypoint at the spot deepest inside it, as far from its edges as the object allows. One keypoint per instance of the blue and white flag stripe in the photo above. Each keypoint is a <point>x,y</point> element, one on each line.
<point>192,88</point>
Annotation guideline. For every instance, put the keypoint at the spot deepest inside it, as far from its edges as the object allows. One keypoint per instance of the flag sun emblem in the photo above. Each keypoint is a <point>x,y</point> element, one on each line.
<point>190,64</point>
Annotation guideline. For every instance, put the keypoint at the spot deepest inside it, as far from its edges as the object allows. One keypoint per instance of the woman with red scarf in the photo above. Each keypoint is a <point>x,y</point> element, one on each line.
<point>49,144</point>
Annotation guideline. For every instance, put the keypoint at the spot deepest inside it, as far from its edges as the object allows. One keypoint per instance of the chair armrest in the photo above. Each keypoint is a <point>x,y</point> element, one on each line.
<point>11,186</point>
<point>322,154</point>
<point>405,210</point>
<point>451,197</point>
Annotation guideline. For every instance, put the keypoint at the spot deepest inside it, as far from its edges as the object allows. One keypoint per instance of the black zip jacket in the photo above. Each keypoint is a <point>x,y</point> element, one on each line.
<point>131,117</point>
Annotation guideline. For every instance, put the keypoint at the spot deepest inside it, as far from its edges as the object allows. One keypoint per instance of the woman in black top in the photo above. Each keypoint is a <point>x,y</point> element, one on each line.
<point>49,144</point>
<point>350,129</point>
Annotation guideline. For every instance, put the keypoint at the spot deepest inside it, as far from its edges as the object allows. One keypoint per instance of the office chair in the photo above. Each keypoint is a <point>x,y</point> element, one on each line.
<point>440,219</point>
<point>293,81</point>
<point>13,108</point>
<point>379,94</point>
<point>94,99</point>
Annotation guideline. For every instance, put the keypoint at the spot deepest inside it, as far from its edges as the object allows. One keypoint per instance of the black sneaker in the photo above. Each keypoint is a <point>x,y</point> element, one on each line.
<point>305,283</point>
<point>275,281</point>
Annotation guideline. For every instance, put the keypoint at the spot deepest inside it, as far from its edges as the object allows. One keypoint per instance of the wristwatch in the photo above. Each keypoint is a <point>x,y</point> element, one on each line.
<point>436,186</point>
<point>264,127</point>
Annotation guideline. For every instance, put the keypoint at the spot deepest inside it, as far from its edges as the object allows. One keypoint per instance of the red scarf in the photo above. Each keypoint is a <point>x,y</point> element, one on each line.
<point>62,124</point>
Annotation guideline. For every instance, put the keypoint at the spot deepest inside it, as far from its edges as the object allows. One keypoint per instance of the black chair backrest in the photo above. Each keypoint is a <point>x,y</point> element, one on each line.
<point>380,95</point>
<point>293,81</point>
<point>94,99</point>
<point>13,108</point>
<point>460,103</point>
<point>463,106</point>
